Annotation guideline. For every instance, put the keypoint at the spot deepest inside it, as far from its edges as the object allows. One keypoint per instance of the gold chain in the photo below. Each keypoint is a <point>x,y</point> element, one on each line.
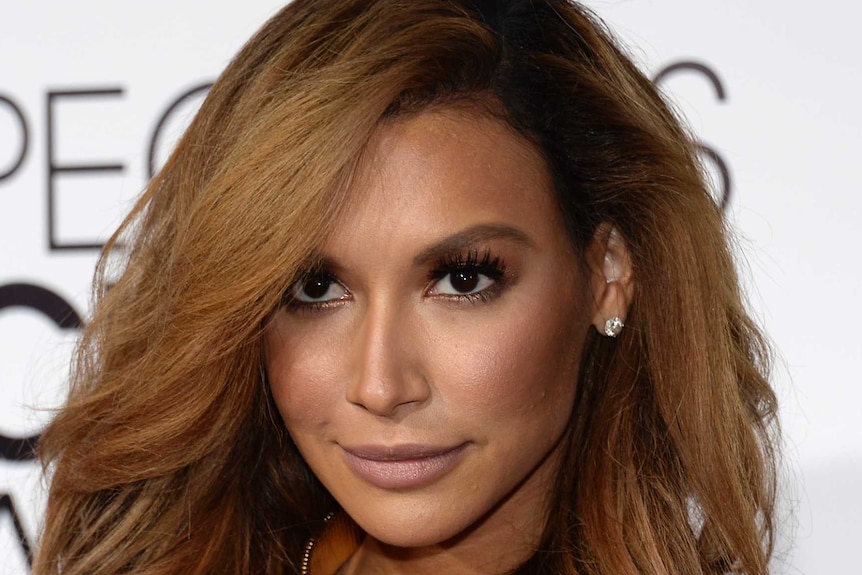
<point>306,556</point>
<point>309,546</point>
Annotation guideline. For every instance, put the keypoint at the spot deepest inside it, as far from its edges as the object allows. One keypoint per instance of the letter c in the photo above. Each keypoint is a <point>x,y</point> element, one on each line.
<point>64,316</point>
<point>710,154</point>
<point>697,68</point>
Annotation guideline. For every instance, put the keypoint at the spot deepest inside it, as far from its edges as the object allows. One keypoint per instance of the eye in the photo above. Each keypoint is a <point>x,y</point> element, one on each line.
<point>468,277</point>
<point>462,282</point>
<point>315,290</point>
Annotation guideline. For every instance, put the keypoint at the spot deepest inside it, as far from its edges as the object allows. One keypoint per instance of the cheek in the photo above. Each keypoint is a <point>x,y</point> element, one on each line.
<point>302,372</point>
<point>511,365</point>
<point>520,364</point>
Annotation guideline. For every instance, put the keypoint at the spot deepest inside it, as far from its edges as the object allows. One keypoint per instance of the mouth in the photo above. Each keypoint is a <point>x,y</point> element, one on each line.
<point>402,466</point>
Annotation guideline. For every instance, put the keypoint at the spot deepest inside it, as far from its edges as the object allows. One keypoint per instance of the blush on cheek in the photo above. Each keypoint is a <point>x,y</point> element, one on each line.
<point>513,367</point>
<point>298,381</point>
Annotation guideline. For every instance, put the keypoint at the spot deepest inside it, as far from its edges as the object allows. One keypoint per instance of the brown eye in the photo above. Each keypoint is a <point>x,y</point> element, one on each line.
<point>464,281</point>
<point>317,289</point>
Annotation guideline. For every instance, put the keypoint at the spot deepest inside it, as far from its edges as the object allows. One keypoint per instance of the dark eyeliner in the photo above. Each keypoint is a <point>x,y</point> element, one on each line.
<point>493,267</point>
<point>474,261</point>
<point>297,306</point>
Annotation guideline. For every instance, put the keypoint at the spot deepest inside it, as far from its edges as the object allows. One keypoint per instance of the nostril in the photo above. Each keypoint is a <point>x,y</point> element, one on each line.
<point>386,369</point>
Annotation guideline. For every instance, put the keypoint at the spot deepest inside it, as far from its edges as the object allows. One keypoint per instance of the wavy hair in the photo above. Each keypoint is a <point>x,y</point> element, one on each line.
<point>169,456</point>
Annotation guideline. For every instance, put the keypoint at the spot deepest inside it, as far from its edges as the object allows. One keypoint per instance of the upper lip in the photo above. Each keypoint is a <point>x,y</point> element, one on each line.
<point>405,451</point>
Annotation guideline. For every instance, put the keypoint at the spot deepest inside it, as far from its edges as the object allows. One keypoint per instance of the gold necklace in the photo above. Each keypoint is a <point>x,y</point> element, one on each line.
<point>306,556</point>
<point>338,541</point>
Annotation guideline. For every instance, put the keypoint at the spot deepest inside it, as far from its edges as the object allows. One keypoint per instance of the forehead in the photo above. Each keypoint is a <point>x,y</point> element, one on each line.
<point>430,174</point>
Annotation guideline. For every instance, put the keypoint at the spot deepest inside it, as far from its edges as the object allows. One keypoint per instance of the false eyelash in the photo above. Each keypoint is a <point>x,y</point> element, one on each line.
<point>485,264</point>
<point>288,301</point>
<point>494,267</point>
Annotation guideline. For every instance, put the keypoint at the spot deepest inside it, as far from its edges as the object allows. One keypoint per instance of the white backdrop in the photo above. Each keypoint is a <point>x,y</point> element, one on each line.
<point>89,90</point>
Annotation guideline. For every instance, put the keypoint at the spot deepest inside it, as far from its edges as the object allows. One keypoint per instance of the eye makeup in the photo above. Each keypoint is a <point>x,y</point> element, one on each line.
<point>464,271</point>
<point>473,275</point>
<point>315,284</point>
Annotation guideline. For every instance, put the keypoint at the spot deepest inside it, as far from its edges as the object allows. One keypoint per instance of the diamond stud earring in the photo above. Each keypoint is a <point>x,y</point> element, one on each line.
<point>613,326</point>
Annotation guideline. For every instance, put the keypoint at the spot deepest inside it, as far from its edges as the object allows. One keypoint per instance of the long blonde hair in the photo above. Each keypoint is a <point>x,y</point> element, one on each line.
<point>170,457</point>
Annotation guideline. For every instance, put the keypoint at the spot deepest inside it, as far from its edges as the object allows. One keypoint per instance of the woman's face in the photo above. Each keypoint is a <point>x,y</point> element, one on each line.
<point>428,370</point>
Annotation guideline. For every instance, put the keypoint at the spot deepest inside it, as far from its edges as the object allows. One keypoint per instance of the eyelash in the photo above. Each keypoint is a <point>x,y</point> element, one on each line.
<point>491,266</point>
<point>488,265</point>
<point>298,306</point>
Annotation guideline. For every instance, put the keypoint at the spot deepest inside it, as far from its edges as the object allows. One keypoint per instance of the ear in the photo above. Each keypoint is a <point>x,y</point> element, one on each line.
<point>610,276</point>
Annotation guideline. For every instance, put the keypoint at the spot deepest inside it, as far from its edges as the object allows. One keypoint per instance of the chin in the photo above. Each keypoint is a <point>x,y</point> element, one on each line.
<point>413,536</point>
<point>410,537</point>
<point>410,527</point>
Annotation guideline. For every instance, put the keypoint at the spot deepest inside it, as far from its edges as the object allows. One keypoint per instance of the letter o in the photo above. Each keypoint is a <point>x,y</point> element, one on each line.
<point>151,156</point>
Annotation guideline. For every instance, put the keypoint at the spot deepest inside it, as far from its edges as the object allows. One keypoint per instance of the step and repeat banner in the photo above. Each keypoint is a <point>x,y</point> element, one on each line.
<point>94,93</point>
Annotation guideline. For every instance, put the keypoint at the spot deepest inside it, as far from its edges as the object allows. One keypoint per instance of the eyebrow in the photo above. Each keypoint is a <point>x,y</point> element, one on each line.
<point>469,236</point>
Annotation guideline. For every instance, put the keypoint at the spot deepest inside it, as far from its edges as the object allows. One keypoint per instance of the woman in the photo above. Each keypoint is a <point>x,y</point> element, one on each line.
<point>429,286</point>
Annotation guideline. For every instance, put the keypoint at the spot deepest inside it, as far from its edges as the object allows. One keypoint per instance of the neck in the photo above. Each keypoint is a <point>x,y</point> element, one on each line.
<point>376,558</point>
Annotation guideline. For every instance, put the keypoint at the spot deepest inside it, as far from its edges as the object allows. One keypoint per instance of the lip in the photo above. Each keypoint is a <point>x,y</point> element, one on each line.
<point>402,466</point>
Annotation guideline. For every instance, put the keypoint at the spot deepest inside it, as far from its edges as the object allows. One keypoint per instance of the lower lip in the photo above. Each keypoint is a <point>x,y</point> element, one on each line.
<point>404,473</point>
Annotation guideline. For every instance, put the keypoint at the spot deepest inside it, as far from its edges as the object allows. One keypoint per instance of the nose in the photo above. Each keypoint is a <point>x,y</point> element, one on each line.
<point>387,378</point>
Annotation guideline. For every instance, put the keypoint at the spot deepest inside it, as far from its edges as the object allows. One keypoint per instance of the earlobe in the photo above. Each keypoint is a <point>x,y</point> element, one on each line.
<point>611,280</point>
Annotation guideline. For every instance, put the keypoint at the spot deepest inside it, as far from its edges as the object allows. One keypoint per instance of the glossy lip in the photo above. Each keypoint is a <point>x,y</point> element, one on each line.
<point>402,466</point>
